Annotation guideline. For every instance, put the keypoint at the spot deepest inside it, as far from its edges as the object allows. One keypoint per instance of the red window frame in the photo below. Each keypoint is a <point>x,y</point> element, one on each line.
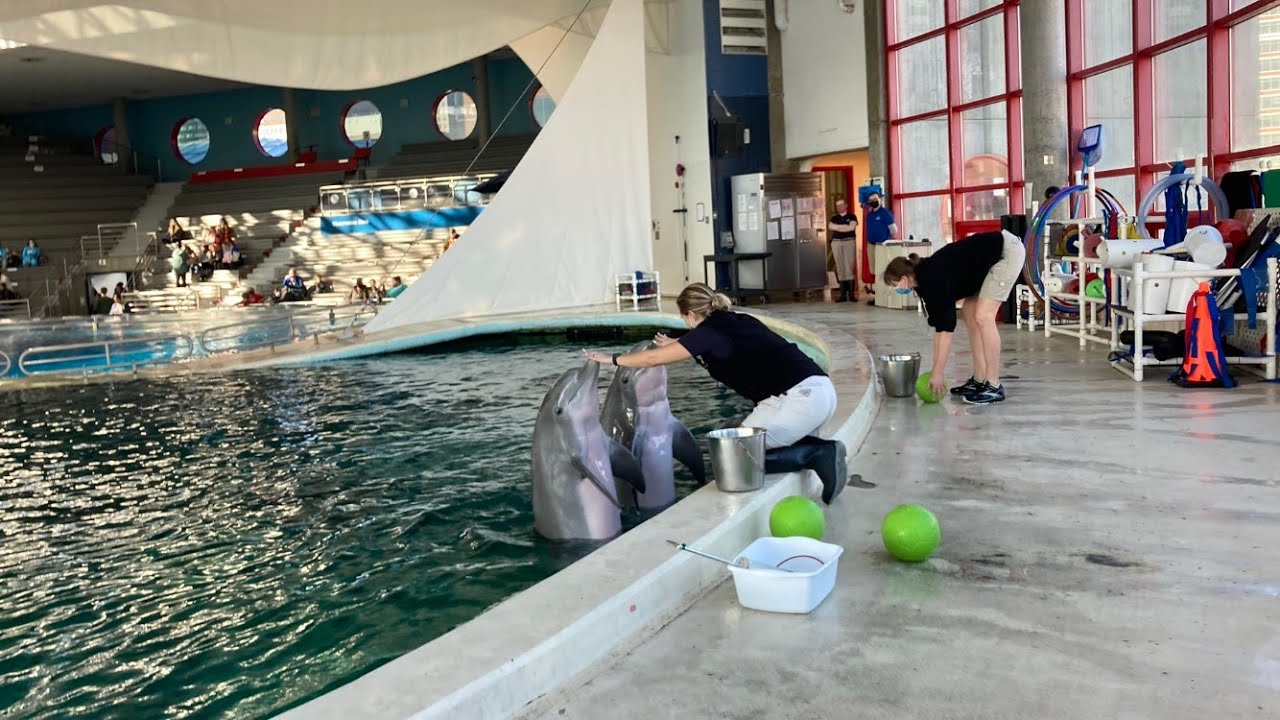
<point>1216,32</point>
<point>1011,98</point>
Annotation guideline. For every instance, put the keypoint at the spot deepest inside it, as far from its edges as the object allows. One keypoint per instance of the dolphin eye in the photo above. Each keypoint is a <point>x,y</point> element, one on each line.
<point>626,380</point>
<point>559,411</point>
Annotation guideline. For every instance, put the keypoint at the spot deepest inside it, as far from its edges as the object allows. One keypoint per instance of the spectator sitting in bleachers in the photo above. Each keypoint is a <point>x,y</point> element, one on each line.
<point>203,268</point>
<point>230,256</point>
<point>6,259</point>
<point>379,290</point>
<point>360,293</point>
<point>251,297</point>
<point>396,288</point>
<point>322,286</point>
<point>222,235</point>
<point>453,238</point>
<point>175,233</point>
<point>7,293</point>
<point>294,288</point>
<point>31,254</point>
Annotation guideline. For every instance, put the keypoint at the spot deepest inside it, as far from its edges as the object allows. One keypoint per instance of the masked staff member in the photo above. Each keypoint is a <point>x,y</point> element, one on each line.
<point>881,228</point>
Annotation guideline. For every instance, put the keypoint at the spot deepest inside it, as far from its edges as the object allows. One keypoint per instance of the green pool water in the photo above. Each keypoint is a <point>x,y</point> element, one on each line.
<point>233,545</point>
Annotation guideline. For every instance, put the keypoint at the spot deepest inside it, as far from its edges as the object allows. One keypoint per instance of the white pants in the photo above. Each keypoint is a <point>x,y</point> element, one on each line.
<point>845,253</point>
<point>796,413</point>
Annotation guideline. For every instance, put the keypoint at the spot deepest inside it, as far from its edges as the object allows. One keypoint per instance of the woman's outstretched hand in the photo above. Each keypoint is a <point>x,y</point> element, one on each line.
<point>598,356</point>
<point>661,340</point>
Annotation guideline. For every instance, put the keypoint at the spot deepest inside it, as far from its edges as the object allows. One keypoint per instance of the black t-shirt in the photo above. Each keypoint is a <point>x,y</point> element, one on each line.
<point>955,272</point>
<point>845,219</point>
<point>749,358</point>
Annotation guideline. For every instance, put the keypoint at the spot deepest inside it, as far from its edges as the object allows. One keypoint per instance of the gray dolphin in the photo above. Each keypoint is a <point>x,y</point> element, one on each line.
<point>637,414</point>
<point>575,463</point>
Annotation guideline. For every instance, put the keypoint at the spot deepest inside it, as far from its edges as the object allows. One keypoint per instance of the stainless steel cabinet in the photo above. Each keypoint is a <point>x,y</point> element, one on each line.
<point>784,214</point>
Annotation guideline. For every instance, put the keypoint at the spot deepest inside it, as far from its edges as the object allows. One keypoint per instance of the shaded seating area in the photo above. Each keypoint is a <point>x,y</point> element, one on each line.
<point>453,158</point>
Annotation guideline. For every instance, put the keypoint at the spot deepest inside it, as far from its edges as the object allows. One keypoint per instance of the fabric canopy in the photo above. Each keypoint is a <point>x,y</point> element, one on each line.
<point>312,44</point>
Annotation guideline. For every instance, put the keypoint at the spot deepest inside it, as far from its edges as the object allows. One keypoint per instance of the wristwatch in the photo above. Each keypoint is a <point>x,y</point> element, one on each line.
<point>615,359</point>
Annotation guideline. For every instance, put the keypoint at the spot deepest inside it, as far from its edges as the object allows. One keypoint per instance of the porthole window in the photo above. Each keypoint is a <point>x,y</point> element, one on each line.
<point>362,123</point>
<point>542,105</point>
<point>191,140</point>
<point>271,133</point>
<point>106,145</point>
<point>456,115</point>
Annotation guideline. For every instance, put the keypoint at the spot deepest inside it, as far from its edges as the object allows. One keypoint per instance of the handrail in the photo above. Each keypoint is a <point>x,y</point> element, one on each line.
<point>6,313</point>
<point>294,326</point>
<point>427,193</point>
<point>130,353</point>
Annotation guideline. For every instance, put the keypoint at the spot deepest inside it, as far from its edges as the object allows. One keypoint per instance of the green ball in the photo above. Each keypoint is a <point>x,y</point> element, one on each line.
<point>797,515</point>
<point>924,391</point>
<point>910,533</point>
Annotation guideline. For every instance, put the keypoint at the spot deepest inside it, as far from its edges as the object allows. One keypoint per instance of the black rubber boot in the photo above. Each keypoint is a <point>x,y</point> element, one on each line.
<point>825,457</point>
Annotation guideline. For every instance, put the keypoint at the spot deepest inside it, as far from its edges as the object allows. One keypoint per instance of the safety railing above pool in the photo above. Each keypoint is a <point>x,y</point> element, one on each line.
<point>283,330</point>
<point>105,355</point>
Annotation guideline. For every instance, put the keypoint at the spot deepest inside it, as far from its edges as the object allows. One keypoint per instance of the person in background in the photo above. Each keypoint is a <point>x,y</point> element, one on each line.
<point>175,233</point>
<point>178,261</point>
<point>359,292</point>
<point>880,227</point>
<point>794,397</point>
<point>323,285</point>
<point>396,288</point>
<point>251,297</point>
<point>31,254</point>
<point>4,257</point>
<point>979,270</point>
<point>118,306</point>
<point>294,288</point>
<point>102,302</point>
<point>7,293</point>
<point>230,255</point>
<point>222,235</point>
<point>453,238</point>
<point>844,244</point>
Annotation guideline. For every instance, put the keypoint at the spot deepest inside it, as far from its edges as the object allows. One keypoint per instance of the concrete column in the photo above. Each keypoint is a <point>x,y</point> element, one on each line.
<point>1046,160</point>
<point>289,103</point>
<point>877,90</point>
<point>480,73</point>
<point>124,148</point>
<point>777,98</point>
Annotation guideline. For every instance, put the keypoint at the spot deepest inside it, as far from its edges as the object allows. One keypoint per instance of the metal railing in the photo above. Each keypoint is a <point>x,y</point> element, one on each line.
<point>433,193</point>
<point>97,248</point>
<point>281,330</point>
<point>105,356</point>
<point>15,309</point>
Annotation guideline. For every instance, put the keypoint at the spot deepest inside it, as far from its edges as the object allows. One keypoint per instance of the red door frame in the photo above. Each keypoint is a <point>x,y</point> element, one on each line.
<point>847,171</point>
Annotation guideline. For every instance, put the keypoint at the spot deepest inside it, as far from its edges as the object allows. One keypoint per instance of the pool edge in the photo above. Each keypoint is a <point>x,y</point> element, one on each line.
<point>501,664</point>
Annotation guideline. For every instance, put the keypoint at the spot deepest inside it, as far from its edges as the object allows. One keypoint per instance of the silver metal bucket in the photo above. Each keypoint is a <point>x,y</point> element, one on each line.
<point>899,373</point>
<point>737,458</point>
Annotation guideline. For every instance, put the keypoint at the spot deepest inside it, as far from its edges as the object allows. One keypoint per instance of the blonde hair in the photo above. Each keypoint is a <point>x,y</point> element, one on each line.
<point>901,267</point>
<point>700,300</point>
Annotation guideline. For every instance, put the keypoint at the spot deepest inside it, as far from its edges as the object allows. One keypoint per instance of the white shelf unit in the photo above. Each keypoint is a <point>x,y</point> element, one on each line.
<point>639,290</point>
<point>1090,325</point>
<point>1263,364</point>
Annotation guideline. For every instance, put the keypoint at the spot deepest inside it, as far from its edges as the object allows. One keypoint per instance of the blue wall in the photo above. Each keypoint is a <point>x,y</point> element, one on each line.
<point>742,83</point>
<point>230,116</point>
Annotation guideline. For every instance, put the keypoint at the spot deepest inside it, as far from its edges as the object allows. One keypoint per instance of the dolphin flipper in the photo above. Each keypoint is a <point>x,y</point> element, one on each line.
<point>625,466</point>
<point>685,449</point>
<point>599,483</point>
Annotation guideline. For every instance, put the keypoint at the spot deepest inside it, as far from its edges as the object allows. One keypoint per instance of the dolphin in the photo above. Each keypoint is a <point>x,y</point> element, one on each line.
<point>575,463</point>
<point>637,414</point>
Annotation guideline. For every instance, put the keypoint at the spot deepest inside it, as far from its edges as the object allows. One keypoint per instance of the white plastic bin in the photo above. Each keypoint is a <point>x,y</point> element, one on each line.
<point>813,573</point>
<point>1181,290</point>
<point>1155,291</point>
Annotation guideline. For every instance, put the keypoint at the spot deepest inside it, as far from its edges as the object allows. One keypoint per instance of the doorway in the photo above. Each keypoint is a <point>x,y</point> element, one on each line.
<point>837,182</point>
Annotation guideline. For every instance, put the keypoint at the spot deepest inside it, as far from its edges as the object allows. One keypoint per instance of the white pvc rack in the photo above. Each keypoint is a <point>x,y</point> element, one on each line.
<point>627,291</point>
<point>1264,364</point>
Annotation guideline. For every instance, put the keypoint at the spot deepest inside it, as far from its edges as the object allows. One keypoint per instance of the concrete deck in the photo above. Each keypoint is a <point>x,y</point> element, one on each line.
<point>1108,552</point>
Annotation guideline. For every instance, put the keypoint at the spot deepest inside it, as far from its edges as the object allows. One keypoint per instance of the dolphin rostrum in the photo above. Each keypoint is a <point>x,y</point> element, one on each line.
<point>575,463</point>
<point>637,414</point>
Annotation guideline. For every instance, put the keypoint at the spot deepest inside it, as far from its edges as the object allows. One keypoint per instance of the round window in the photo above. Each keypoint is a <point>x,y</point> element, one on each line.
<point>107,145</point>
<point>271,133</point>
<point>191,140</point>
<point>362,123</point>
<point>542,106</point>
<point>456,115</point>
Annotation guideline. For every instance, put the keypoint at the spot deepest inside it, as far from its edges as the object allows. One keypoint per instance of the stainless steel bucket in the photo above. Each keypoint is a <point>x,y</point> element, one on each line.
<point>737,458</point>
<point>899,373</point>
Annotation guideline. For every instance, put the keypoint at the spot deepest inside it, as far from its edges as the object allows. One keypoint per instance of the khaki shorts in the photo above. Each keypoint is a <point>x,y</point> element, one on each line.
<point>1004,274</point>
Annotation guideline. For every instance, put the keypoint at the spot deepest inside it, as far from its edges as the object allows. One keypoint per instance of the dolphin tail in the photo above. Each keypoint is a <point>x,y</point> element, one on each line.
<point>625,466</point>
<point>685,449</point>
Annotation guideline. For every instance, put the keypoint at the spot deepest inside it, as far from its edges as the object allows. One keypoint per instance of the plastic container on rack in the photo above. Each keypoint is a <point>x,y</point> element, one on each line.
<point>640,290</point>
<point>1155,291</point>
<point>1182,289</point>
<point>808,574</point>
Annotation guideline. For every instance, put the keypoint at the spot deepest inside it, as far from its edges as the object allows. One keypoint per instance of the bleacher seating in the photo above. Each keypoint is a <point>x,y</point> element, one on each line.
<point>64,200</point>
<point>453,158</point>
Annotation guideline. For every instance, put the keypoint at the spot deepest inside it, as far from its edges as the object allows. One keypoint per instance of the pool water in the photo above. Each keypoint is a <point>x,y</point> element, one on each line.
<point>233,545</point>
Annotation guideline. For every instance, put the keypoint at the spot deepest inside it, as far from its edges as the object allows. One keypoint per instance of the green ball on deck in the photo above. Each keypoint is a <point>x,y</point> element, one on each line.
<point>924,391</point>
<point>797,515</point>
<point>910,532</point>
